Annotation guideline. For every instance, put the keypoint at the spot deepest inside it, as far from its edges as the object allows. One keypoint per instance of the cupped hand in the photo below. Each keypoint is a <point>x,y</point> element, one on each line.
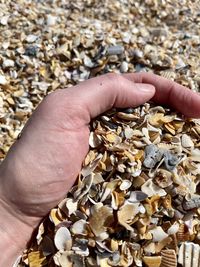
<point>43,164</point>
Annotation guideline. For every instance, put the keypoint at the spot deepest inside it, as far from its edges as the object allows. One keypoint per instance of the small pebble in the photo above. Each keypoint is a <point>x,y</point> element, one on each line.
<point>31,51</point>
<point>115,50</point>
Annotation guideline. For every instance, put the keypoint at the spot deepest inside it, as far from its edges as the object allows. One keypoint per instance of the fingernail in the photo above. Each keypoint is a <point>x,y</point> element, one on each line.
<point>145,88</point>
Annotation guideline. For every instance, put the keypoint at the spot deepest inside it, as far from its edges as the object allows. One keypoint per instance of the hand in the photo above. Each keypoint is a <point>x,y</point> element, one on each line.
<point>43,164</point>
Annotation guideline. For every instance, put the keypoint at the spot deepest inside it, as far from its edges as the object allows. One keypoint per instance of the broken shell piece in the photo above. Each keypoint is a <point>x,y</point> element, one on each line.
<point>163,178</point>
<point>156,119</point>
<point>84,186</point>
<point>117,199</point>
<point>129,132</point>
<point>54,217</point>
<point>168,258</point>
<point>152,261</point>
<point>187,141</point>
<point>79,227</point>
<point>100,219</point>
<point>195,155</point>
<point>173,229</point>
<point>94,140</point>
<point>158,234</point>
<point>126,184</point>
<point>113,138</point>
<point>126,255</point>
<point>160,245</point>
<point>3,80</point>
<point>126,116</point>
<point>189,254</point>
<point>63,239</point>
<point>91,167</point>
<point>152,204</point>
<point>151,189</point>
<point>167,202</point>
<point>71,206</point>
<point>126,214</point>
<point>137,196</point>
<point>183,233</point>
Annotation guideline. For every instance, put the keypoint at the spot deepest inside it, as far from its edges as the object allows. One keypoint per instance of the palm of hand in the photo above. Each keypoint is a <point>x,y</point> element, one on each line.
<point>52,147</point>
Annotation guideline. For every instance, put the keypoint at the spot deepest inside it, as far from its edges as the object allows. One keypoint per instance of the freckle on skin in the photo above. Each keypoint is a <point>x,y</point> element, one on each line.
<point>101,84</point>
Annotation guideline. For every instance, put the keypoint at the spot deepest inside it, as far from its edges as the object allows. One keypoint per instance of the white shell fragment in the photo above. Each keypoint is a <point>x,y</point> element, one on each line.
<point>51,20</point>
<point>173,229</point>
<point>187,141</point>
<point>158,234</point>
<point>128,132</point>
<point>79,227</point>
<point>63,239</point>
<point>4,20</point>
<point>94,140</point>
<point>31,38</point>
<point>126,184</point>
<point>7,63</point>
<point>189,254</point>
<point>151,189</point>
<point>3,80</point>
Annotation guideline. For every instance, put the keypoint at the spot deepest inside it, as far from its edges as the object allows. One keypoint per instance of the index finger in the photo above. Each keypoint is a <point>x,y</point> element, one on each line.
<point>170,93</point>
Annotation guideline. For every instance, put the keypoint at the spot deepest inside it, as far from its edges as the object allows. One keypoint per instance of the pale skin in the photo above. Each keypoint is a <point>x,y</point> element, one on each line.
<point>43,164</point>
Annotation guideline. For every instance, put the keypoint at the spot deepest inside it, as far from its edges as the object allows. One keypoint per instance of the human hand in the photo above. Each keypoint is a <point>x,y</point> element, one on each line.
<point>43,164</point>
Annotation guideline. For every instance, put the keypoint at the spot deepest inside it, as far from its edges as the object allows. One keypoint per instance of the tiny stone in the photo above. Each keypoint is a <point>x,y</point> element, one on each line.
<point>170,161</point>
<point>115,50</point>
<point>152,156</point>
<point>31,51</point>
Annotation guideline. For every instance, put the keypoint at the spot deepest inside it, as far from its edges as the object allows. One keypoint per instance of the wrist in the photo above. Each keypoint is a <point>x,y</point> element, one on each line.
<point>15,233</point>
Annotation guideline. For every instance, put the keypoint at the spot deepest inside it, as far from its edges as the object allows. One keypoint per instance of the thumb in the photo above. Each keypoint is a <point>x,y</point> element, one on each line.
<point>111,90</point>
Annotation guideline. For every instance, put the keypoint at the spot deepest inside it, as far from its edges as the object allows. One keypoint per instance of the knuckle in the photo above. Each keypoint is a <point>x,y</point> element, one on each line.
<point>52,96</point>
<point>115,80</point>
<point>113,76</point>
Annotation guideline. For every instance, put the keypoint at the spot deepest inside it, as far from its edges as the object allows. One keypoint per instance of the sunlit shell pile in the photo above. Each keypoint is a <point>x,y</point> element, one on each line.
<point>50,44</point>
<point>136,201</point>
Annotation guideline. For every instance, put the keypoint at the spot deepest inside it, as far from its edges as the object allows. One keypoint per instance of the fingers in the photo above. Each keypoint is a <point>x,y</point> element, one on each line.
<point>170,93</point>
<point>112,90</point>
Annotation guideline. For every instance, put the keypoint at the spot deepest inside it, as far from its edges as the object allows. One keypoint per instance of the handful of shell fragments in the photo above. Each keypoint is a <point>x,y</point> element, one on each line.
<point>136,201</point>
